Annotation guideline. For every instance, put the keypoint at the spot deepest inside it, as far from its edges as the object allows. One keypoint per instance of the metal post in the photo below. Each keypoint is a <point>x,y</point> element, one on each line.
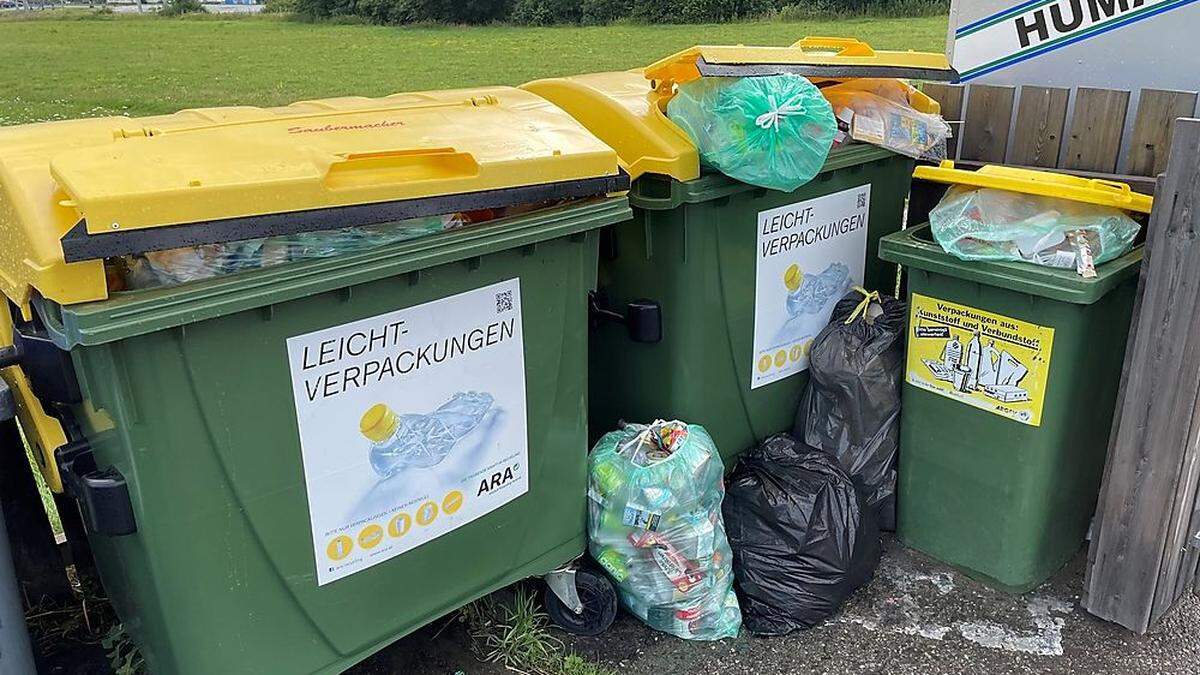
<point>15,653</point>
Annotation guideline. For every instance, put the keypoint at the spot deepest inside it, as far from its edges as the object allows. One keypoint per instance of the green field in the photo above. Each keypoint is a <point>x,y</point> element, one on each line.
<point>57,69</point>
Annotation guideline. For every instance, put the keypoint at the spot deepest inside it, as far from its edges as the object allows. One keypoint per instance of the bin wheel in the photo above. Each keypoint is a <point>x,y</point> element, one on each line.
<point>599,600</point>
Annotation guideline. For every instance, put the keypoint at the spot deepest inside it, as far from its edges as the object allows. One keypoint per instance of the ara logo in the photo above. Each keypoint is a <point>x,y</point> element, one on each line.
<point>498,479</point>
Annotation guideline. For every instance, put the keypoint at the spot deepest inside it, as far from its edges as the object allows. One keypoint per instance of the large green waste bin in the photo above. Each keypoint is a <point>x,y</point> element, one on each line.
<point>696,251</point>
<point>287,468</point>
<point>745,276</point>
<point>1001,480</point>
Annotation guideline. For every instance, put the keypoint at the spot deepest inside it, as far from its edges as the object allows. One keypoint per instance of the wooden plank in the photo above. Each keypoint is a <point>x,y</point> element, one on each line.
<point>1041,115</point>
<point>1142,184</point>
<point>1150,143</point>
<point>985,127</point>
<point>1152,475</point>
<point>950,97</point>
<point>1095,139</point>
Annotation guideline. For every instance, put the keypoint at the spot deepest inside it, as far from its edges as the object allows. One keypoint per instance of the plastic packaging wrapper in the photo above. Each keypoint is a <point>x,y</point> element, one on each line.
<point>654,520</point>
<point>990,224</point>
<point>192,263</point>
<point>774,132</point>
<point>851,407</point>
<point>877,111</point>
<point>802,539</point>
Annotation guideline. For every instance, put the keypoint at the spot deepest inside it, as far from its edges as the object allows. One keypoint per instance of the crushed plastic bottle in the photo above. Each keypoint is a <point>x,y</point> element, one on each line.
<point>818,289</point>
<point>420,440</point>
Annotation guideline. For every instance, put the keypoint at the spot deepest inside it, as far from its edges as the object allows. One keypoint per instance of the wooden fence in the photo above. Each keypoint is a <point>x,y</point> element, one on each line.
<point>1041,137</point>
<point>1145,549</point>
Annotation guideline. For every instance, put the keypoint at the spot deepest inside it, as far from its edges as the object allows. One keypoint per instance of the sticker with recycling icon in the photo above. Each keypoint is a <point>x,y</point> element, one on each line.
<point>809,255</point>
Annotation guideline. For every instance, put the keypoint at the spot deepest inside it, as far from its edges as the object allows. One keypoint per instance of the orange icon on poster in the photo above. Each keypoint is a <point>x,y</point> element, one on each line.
<point>452,502</point>
<point>399,525</point>
<point>370,536</point>
<point>427,513</point>
<point>340,547</point>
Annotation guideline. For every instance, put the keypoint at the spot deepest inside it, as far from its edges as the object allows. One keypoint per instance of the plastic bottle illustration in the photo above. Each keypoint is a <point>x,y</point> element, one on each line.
<point>952,353</point>
<point>420,440</point>
<point>974,349</point>
<point>816,289</point>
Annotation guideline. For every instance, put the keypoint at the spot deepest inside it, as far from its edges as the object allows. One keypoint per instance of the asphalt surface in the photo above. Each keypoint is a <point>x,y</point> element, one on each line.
<point>916,617</point>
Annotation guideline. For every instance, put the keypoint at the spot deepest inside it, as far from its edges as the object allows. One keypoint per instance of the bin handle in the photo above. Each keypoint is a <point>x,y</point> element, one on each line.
<point>842,46</point>
<point>1122,189</point>
<point>357,170</point>
<point>54,327</point>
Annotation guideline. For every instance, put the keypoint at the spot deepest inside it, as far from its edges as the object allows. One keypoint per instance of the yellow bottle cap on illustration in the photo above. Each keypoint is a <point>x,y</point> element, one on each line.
<point>793,276</point>
<point>378,423</point>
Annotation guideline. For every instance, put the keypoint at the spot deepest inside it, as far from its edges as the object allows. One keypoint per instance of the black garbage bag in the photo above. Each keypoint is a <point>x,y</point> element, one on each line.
<point>851,407</point>
<point>802,538</point>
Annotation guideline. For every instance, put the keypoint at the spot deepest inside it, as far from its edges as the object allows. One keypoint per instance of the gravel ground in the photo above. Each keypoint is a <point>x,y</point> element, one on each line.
<point>917,617</point>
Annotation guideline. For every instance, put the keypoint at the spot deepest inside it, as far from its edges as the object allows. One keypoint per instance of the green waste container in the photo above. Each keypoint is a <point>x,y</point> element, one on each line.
<point>695,251</point>
<point>285,469</point>
<point>745,277</point>
<point>1000,465</point>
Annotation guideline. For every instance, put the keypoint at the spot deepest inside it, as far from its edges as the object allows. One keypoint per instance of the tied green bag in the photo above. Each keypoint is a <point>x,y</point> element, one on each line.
<point>773,131</point>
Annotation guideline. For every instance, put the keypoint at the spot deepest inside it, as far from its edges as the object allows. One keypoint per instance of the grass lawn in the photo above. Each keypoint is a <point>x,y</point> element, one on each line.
<point>56,69</point>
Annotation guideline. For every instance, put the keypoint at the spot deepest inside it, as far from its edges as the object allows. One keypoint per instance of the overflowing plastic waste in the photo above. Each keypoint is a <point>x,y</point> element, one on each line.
<point>851,407</point>
<point>421,440</point>
<point>990,224</point>
<point>878,111</point>
<point>193,263</point>
<point>772,131</point>
<point>655,525</point>
<point>802,539</point>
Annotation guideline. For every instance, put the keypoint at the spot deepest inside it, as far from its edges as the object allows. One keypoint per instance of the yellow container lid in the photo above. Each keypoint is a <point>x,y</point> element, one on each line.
<point>74,192</point>
<point>627,114</point>
<point>818,58</point>
<point>627,110</point>
<point>1045,183</point>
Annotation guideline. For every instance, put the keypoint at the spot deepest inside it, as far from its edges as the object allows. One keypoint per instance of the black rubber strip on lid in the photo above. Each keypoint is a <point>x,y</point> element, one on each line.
<point>814,70</point>
<point>78,245</point>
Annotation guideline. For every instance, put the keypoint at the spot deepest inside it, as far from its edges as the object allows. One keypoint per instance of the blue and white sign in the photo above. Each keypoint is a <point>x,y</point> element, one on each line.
<point>1025,30</point>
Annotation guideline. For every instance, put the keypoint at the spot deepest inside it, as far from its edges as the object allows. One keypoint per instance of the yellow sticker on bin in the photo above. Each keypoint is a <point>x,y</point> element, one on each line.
<point>988,361</point>
<point>117,175</point>
<point>1044,183</point>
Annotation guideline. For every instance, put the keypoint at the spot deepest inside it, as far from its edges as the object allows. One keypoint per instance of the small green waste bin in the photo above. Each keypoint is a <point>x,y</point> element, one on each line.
<point>284,469</point>
<point>744,277</point>
<point>1000,464</point>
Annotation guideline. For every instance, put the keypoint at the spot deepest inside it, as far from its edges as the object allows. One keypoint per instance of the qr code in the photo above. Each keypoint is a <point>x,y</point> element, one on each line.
<point>862,200</point>
<point>504,301</point>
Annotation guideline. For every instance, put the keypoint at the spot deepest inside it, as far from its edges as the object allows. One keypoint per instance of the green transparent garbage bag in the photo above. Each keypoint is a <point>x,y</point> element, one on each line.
<point>990,224</point>
<point>654,522</point>
<point>774,131</point>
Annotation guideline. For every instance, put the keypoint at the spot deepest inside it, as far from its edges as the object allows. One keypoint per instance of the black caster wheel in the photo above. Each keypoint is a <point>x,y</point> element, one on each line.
<point>599,600</point>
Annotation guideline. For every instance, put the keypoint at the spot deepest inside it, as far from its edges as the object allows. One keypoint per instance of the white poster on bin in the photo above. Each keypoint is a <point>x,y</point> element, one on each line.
<point>809,254</point>
<point>412,424</point>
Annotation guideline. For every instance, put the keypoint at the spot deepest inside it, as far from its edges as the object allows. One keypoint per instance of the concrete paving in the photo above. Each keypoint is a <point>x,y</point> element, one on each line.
<point>916,617</point>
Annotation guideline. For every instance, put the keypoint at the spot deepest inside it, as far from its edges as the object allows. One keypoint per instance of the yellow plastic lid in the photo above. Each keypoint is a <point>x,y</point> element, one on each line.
<point>817,58</point>
<point>1045,183</point>
<point>623,111</point>
<point>378,423</point>
<point>70,191</point>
